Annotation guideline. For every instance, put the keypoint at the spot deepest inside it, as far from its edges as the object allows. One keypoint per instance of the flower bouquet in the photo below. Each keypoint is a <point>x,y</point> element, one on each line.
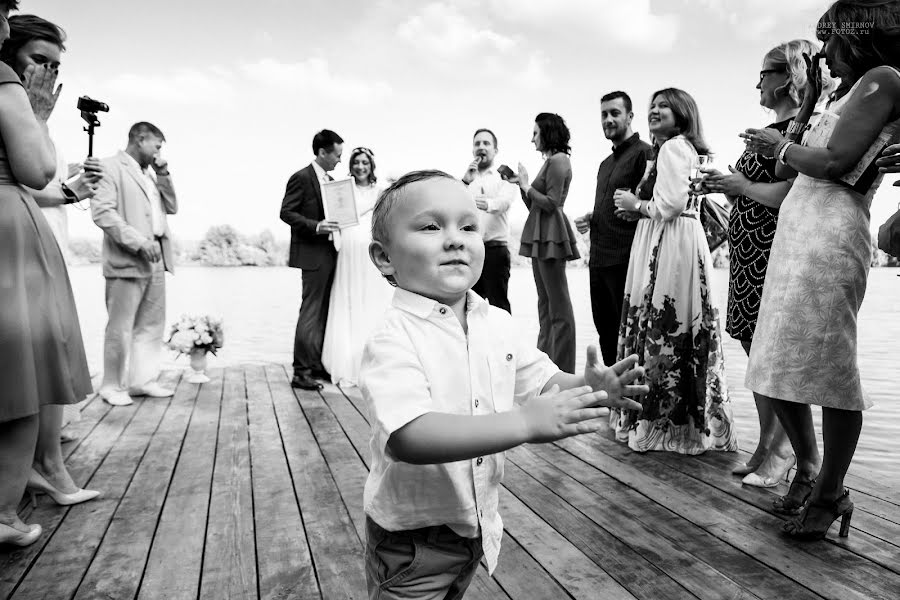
<point>195,336</point>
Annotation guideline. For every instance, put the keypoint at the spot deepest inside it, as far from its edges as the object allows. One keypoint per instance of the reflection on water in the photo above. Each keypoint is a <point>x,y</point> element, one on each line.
<point>260,305</point>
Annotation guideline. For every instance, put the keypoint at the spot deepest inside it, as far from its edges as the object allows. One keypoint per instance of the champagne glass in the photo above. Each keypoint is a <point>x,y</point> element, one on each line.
<point>703,161</point>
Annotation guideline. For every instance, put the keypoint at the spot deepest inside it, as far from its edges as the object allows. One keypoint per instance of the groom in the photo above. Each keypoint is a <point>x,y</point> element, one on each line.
<point>314,253</point>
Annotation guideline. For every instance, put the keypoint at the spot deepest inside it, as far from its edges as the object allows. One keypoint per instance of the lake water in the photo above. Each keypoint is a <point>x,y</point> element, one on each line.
<point>259,306</point>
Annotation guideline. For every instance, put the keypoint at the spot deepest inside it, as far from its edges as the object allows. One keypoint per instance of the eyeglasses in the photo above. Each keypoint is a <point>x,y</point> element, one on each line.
<point>363,149</point>
<point>764,72</point>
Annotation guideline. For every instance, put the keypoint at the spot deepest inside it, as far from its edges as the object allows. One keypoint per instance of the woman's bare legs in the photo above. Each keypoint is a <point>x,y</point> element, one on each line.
<point>773,447</point>
<point>48,458</point>
<point>17,442</point>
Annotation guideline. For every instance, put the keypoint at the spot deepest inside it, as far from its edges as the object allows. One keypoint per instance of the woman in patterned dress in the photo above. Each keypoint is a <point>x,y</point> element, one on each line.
<point>756,193</point>
<point>804,349</point>
<point>669,320</point>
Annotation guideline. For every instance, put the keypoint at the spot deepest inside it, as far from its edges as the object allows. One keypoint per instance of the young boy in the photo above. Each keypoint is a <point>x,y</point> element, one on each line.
<point>441,374</point>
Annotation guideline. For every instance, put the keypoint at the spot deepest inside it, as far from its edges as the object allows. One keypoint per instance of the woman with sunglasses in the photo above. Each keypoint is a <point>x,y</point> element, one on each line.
<point>359,294</point>
<point>756,193</point>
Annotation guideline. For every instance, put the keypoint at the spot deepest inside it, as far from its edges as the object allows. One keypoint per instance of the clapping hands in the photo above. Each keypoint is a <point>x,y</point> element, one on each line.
<point>618,380</point>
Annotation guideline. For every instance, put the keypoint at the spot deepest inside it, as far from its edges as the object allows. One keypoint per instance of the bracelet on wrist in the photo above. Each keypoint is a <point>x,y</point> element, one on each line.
<point>781,151</point>
<point>795,127</point>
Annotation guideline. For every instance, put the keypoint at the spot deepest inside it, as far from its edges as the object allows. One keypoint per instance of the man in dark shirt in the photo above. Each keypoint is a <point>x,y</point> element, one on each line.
<point>611,236</point>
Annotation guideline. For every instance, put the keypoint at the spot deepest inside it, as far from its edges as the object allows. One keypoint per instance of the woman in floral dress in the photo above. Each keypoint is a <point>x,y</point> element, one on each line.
<point>669,320</point>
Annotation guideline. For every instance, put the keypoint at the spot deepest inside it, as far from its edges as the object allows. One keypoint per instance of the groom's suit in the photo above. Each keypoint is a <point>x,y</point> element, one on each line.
<point>315,254</point>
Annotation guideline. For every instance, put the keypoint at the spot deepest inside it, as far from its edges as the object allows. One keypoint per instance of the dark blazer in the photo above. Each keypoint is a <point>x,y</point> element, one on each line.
<point>302,210</point>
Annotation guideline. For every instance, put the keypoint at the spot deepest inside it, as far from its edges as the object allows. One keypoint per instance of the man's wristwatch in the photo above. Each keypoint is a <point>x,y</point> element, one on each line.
<point>71,196</point>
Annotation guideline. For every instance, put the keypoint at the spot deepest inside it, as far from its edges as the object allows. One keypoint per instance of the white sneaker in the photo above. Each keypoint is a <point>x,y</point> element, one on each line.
<point>152,389</point>
<point>116,397</point>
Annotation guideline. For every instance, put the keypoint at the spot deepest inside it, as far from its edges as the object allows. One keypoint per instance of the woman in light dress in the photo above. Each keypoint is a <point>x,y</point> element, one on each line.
<point>359,294</point>
<point>804,348</point>
<point>669,320</point>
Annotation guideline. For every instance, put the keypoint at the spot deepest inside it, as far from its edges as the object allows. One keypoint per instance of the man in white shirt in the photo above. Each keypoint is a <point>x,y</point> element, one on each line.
<point>493,196</point>
<point>130,206</point>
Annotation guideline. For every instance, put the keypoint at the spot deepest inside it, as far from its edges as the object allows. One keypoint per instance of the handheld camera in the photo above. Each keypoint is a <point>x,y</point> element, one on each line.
<point>89,109</point>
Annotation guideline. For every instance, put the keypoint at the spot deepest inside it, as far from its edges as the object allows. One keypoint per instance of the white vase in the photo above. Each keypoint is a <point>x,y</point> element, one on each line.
<point>198,366</point>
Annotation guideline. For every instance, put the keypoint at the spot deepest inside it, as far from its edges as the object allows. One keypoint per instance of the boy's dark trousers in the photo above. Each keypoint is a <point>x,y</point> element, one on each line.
<point>431,563</point>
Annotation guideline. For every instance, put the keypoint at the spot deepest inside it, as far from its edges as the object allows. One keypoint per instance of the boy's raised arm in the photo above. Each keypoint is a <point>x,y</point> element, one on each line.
<point>441,437</point>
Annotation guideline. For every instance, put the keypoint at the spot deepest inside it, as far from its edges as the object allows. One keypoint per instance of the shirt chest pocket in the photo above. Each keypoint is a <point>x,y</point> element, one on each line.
<point>502,364</point>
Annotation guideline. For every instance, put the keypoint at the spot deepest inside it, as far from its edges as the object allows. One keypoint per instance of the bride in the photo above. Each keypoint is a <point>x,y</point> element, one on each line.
<point>359,294</point>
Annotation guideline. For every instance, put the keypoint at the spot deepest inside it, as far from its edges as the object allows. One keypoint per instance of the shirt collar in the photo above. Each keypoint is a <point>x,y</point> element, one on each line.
<point>320,172</point>
<point>423,307</point>
<point>626,144</point>
<point>134,163</point>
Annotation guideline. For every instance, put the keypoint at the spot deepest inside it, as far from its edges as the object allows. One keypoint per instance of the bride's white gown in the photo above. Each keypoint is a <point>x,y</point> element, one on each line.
<point>359,296</point>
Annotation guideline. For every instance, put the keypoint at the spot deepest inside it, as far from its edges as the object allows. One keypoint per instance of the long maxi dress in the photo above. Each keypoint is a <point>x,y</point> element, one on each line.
<point>359,295</point>
<point>669,320</point>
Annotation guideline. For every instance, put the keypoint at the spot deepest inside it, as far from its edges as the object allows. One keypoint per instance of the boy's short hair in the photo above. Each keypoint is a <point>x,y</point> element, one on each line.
<point>391,196</point>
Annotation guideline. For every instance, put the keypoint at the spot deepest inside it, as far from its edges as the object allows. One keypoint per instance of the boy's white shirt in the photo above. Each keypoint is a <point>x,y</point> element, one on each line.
<point>418,361</point>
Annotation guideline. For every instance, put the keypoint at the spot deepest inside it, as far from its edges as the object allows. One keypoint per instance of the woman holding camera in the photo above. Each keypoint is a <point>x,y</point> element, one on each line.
<point>42,360</point>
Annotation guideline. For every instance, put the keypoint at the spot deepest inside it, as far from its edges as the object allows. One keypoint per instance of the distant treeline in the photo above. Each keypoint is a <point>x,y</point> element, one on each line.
<point>223,246</point>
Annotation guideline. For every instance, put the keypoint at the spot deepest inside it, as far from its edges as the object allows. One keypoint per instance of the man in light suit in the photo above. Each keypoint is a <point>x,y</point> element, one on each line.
<point>130,206</point>
<point>314,253</point>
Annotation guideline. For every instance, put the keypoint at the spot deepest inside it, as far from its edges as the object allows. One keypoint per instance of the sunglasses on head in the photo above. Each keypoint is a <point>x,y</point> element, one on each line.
<point>363,149</point>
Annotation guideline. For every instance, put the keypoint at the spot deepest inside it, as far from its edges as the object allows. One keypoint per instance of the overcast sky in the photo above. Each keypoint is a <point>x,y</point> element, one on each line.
<point>240,88</point>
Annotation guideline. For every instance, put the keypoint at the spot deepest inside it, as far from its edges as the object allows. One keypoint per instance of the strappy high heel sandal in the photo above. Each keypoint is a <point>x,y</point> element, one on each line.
<point>795,500</point>
<point>841,508</point>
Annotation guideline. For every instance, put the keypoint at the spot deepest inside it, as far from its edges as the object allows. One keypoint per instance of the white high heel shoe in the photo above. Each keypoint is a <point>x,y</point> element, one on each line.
<point>37,484</point>
<point>11,535</point>
<point>769,482</point>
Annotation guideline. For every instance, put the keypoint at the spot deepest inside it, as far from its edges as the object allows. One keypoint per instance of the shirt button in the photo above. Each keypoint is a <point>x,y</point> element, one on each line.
<point>442,310</point>
<point>476,402</point>
<point>509,357</point>
<point>479,460</point>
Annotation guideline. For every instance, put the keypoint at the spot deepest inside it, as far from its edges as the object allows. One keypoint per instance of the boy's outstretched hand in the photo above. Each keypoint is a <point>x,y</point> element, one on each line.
<point>617,380</point>
<point>556,415</point>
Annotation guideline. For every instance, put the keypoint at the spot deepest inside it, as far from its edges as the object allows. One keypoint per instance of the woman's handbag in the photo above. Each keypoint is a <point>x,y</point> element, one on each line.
<point>714,218</point>
<point>889,235</point>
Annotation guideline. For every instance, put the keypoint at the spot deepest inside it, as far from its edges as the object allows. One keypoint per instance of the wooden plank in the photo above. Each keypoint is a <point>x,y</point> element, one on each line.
<point>336,549</point>
<point>64,560</point>
<point>174,561</point>
<point>869,532</point>
<point>354,425</point>
<point>653,527</point>
<point>737,523</point>
<point>522,577</point>
<point>578,574</point>
<point>118,564</point>
<point>283,558</point>
<point>863,481</point>
<point>229,555</point>
<point>85,460</point>
<point>636,573</point>
<point>346,466</point>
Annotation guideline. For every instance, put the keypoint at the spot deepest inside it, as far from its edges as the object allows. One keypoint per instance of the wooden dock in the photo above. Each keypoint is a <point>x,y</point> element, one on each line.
<point>245,488</point>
